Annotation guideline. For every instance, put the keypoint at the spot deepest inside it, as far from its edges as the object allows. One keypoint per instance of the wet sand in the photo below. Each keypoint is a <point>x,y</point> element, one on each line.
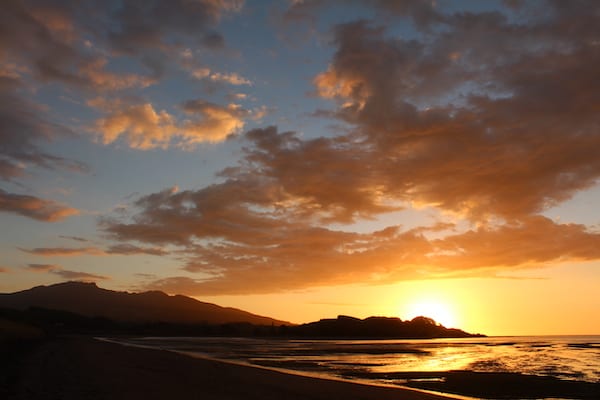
<point>84,368</point>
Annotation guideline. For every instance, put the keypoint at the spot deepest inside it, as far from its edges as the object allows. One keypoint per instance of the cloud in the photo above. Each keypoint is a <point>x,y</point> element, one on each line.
<point>140,25</point>
<point>23,126</point>
<point>472,117</point>
<point>200,72</point>
<point>50,41</point>
<point>144,128</point>
<point>478,120</point>
<point>281,261</point>
<point>129,249</point>
<point>76,238</point>
<point>84,276</point>
<point>230,78</point>
<point>141,126</point>
<point>63,273</point>
<point>67,42</point>
<point>211,122</point>
<point>245,236</point>
<point>34,207</point>
<point>43,267</point>
<point>237,96</point>
<point>118,249</point>
<point>63,251</point>
<point>423,14</point>
<point>533,241</point>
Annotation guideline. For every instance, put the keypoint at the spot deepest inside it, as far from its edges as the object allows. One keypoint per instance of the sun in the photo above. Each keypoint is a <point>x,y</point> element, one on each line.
<point>439,311</point>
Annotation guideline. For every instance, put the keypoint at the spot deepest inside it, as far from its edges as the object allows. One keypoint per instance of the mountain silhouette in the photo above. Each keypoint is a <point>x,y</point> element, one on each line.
<point>89,300</point>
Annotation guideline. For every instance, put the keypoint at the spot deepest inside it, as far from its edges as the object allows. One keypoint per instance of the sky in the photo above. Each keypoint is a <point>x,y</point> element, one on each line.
<point>305,159</point>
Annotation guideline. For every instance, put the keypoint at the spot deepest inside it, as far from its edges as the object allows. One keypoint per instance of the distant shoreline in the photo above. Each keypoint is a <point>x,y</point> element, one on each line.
<point>452,383</point>
<point>305,374</point>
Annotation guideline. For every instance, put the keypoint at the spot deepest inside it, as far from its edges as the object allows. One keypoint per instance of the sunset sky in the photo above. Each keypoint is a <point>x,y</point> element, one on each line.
<point>304,159</point>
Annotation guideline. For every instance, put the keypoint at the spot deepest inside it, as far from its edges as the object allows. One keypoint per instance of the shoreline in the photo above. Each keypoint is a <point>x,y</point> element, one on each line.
<point>86,368</point>
<point>306,374</point>
<point>452,384</point>
<point>82,367</point>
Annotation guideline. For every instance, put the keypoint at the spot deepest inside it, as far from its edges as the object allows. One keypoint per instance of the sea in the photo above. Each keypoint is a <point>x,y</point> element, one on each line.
<point>563,357</point>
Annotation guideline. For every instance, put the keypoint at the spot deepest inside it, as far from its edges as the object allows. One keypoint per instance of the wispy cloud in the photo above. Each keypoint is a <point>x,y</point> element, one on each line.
<point>230,78</point>
<point>76,238</point>
<point>63,273</point>
<point>67,274</point>
<point>34,207</point>
<point>43,267</point>
<point>63,251</point>
<point>24,127</point>
<point>129,249</point>
<point>118,249</point>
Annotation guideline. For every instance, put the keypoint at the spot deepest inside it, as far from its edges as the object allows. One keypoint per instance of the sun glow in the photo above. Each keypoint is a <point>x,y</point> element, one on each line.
<point>440,312</point>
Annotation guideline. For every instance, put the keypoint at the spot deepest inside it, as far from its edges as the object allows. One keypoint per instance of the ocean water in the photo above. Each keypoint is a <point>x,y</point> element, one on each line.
<point>564,357</point>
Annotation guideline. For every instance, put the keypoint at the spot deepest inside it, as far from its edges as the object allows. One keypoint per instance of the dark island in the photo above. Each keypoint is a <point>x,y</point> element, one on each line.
<point>376,328</point>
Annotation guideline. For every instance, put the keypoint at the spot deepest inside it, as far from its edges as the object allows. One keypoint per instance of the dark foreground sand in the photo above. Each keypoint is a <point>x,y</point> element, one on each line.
<point>84,368</point>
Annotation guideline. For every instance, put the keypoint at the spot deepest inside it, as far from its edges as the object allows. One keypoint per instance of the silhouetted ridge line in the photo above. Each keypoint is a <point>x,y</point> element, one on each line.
<point>79,307</point>
<point>87,299</point>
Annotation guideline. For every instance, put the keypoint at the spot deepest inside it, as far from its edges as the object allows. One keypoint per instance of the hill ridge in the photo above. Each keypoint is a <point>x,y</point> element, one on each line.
<point>88,299</point>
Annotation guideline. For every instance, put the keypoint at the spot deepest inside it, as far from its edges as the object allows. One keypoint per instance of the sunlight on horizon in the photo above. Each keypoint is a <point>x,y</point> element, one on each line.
<point>440,312</point>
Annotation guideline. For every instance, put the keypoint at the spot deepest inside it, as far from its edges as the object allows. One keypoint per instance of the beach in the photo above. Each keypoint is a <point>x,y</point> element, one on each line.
<point>84,368</point>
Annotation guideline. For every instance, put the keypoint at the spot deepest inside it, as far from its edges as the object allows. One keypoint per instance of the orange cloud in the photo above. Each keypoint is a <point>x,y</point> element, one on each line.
<point>477,120</point>
<point>129,249</point>
<point>63,251</point>
<point>241,242</point>
<point>211,122</point>
<point>142,127</point>
<point>118,249</point>
<point>34,207</point>
<point>512,147</point>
